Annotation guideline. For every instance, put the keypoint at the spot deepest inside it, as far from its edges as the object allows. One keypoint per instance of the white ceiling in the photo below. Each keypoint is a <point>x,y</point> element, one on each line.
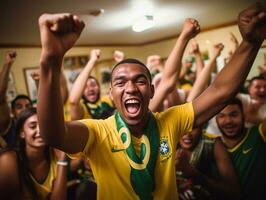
<point>18,19</point>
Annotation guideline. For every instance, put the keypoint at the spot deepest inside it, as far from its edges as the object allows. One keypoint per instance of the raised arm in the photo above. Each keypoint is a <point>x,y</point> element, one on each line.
<point>203,78</point>
<point>186,66</point>
<point>252,26</point>
<point>199,62</point>
<point>59,190</point>
<point>63,84</point>
<point>36,78</point>
<point>118,56</point>
<point>226,186</point>
<point>5,118</point>
<point>173,64</point>
<point>58,33</point>
<point>235,45</point>
<point>76,109</point>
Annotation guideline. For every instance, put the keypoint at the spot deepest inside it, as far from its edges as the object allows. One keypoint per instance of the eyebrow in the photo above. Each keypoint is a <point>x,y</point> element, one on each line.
<point>137,76</point>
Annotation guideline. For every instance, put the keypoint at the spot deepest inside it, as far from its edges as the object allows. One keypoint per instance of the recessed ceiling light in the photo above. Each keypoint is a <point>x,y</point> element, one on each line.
<point>143,23</point>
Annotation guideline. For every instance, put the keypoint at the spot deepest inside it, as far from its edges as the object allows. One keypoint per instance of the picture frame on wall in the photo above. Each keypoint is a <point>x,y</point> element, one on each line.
<point>69,62</point>
<point>82,60</point>
<point>30,83</point>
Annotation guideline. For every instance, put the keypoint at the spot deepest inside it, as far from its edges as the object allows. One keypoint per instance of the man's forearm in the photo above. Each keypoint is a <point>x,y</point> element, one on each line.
<point>236,70</point>
<point>50,106</point>
<point>199,63</point>
<point>173,64</point>
<point>218,188</point>
<point>202,80</point>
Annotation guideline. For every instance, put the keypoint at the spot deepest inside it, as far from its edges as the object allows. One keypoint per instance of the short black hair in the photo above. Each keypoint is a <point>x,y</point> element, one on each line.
<point>260,77</point>
<point>21,96</point>
<point>92,77</point>
<point>133,61</point>
<point>236,101</point>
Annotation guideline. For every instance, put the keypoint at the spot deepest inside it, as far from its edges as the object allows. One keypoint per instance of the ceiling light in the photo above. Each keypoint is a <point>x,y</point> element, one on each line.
<point>143,23</point>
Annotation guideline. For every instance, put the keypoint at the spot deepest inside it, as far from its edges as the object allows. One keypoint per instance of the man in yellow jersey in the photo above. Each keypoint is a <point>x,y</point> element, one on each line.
<point>132,152</point>
<point>247,147</point>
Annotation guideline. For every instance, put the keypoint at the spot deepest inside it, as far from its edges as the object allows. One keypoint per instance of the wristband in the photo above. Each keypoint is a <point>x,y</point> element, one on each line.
<point>62,163</point>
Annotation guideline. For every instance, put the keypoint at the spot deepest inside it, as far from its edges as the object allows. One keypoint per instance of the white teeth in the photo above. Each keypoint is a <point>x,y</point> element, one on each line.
<point>187,141</point>
<point>132,101</point>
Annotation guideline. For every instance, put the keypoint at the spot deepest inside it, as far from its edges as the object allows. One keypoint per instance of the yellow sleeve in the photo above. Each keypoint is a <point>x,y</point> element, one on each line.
<point>98,131</point>
<point>67,116</point>
<point>87,114</point>
<point>108,100</point>
<point>178,120</point>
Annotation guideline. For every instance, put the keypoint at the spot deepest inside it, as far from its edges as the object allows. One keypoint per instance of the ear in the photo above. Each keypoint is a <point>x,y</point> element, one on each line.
<point>22,134</point>
<point>152,91</point>
<point>111,91</point>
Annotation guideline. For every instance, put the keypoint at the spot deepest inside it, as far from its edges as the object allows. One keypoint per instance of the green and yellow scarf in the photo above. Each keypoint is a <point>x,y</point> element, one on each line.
<point>99,110</point>
<point>142,167</point>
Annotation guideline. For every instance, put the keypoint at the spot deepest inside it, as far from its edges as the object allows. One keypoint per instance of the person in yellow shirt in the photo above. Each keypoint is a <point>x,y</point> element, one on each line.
<point>133,150</point>
<point>33,170</point>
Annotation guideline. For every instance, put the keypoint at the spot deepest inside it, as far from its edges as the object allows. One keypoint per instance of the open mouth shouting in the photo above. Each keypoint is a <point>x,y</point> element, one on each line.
<point>132,107</point>
<point>92,97</point>
<point>261,97</point>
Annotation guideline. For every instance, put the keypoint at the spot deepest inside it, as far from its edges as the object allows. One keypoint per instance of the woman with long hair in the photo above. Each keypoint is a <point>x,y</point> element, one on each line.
<point>32,170</point>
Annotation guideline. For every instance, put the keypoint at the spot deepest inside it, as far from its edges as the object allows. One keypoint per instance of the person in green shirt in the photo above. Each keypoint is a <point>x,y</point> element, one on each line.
<point>247,147</point>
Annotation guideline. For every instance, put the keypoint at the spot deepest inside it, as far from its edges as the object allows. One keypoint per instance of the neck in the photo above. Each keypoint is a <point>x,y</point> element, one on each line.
<point>35,154</point>
<point>138,129</point>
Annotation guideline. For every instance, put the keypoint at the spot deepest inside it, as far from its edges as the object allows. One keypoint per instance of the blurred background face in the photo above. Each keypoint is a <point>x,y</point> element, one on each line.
<point>190,140</point>
<point>31,133</point>
<point>20,105</point>
<point>191,76</point>
<point>231,121</point>
<point>257,90</point>
<point>92,90</point>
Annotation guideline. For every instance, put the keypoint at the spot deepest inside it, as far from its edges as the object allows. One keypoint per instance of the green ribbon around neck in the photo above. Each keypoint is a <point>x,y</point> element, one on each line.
<point>142,167</point>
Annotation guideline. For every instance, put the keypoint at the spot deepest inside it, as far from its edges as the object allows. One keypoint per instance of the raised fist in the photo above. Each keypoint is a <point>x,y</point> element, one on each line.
<point>252,23</point>
<point>59,32</point>
<point>95,54</point>
<point>118,56</point>
<point>191,28</point>
<point>194,47</point>
<point>10,57</point>
<point>217,49</point>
